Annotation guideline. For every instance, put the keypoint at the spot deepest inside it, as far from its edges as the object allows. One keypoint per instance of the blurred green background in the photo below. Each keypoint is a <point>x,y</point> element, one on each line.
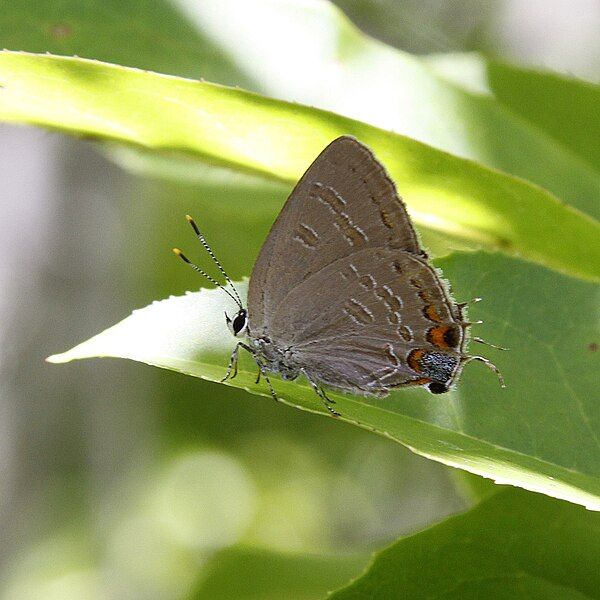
<point>118,480</point>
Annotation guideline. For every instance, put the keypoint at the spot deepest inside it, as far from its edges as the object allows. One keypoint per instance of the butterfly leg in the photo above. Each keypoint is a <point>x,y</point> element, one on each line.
<point>262,371</point>
<point>319,391</point>
<point>232,366</point>
<point>482,341</point>
<point>489,364</point>
<point>466,324</point>
<point>233,361</point>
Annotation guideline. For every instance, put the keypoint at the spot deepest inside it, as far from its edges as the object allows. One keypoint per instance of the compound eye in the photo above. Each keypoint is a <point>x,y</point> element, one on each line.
<point>240,322</point>
<point>435,387</point>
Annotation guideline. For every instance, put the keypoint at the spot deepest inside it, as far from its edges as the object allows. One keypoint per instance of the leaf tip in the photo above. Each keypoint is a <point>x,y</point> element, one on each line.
<point>57,358</point>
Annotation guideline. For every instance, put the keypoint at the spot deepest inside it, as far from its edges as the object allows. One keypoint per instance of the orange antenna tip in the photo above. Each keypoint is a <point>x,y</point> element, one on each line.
<point>181,255</point>
<point>191,221</point>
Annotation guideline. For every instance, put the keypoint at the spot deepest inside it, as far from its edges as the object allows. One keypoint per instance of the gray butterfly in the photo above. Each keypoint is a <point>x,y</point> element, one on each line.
<point>343,293</point>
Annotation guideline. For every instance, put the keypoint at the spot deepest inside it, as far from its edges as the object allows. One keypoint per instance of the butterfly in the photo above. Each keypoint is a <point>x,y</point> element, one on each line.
<point>343,293</point>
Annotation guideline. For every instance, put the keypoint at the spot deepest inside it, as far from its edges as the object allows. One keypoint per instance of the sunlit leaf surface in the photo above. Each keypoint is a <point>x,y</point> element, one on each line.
<point>323,60</point>
<point>564,108</point>
<point>540,433</point>
<point>244,131</point>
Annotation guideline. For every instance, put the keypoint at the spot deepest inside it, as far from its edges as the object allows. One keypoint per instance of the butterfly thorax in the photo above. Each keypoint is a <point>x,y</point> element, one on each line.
<point>275,359</point>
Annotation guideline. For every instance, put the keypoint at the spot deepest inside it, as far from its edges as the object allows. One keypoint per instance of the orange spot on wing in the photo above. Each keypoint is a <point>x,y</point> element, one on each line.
<point>445,336</point>
<point>414,359</point>
<point>431,312</point>
<point>385,219</point>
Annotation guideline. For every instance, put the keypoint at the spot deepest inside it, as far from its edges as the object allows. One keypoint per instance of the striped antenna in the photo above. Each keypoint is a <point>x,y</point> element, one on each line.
<point>196,268</point>
<point>212,255</point>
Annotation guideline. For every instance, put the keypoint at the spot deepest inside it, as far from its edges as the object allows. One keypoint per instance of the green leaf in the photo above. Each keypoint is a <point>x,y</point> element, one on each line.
<point>512,545</point>
<point>146,34</point>
<point>474,488</point>
<point>261,574</point>
<point>540,433</point>
<point>251,133</point>
<point>322,60</point>
<point>345,71</point>
<point>563,107</point>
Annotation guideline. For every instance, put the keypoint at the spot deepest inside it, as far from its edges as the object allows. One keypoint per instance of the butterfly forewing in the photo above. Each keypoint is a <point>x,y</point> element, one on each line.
<point>343,204</point>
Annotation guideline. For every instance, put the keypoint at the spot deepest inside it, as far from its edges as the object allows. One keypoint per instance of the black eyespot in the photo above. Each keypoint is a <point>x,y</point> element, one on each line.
<point>452,337</point>
<point>239,322</point>
<point>435,387</point>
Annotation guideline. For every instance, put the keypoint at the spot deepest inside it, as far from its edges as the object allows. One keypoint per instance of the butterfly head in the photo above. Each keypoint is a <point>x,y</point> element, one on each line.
<point>239,324</point>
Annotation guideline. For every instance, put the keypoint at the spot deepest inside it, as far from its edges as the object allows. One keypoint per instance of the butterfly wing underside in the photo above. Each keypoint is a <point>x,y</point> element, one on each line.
<point>345,202</point>
<point>343,281</point>
<point>390,309</point>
